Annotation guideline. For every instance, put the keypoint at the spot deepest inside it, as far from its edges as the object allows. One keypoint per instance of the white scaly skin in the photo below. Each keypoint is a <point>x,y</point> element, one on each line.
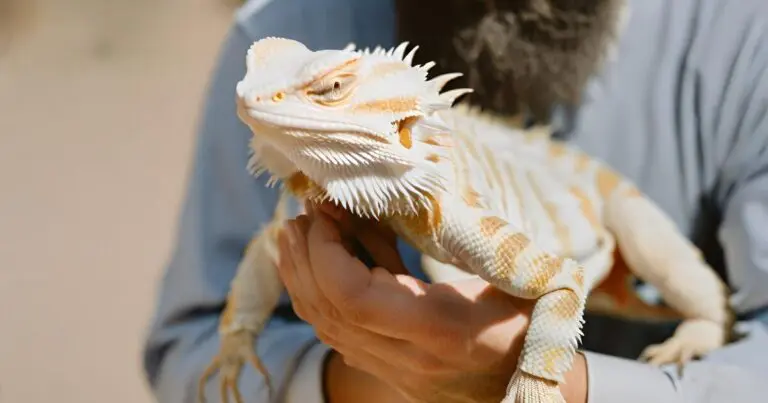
<point>611,215</point>
<point>368,131</point>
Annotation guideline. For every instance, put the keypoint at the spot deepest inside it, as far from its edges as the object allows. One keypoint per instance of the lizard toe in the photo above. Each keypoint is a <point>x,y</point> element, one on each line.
<point>526,388</point>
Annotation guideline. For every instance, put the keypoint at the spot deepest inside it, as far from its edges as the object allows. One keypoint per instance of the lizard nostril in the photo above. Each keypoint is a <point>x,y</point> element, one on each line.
<point>278,97</point>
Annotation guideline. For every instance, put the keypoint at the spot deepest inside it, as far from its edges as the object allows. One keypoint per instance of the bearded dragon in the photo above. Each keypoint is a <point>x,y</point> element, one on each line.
<point>367,130</point>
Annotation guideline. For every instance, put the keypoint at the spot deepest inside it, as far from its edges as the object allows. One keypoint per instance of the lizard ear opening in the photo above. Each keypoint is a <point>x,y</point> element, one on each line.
<point>404,131</point>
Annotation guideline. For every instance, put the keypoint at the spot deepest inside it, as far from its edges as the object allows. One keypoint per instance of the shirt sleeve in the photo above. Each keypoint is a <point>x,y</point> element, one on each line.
<point>735,373</point>
<point>225,206</point>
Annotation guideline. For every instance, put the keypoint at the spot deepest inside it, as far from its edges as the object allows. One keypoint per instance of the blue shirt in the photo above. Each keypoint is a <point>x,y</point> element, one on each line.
<point>681,111</point>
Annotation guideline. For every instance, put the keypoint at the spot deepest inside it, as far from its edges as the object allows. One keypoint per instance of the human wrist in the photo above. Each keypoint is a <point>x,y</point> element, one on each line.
<point>345,384</point>
<point>306,384</point>
<point>575,387</point>
<point>328,374</point>
<point>334,375</point>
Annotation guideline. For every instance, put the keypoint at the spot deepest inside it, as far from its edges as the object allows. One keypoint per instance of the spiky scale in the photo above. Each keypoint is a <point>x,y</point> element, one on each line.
<point>408,59</point>
<point>399,51</point>
<point>437,83</point>
<point>427,66</point>
<point>450,96</point>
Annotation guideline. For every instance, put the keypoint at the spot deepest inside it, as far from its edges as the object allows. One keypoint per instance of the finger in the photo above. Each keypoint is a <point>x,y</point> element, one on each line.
<point>311,294</point>
<point>298,254</point>
<point>350,221</point>
<point>406,355</point>
<point>371,299</point>
<point>349,238</point>
<point>379,227</point>
<point>372,230</point>
<point>332,210</point>
<point>437,318</point>
<point>285,267</point>
<point>372,352</point>
<point>378,240</point>
<point>287,275</point>
<point>342,275</point>
<point>375,299</point>
<point>346,281</point>
<point>384,253</point>
<point>366,362</point>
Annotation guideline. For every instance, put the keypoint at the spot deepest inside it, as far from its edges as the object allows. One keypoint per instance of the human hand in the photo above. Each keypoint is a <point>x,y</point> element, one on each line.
<point>451,342</point>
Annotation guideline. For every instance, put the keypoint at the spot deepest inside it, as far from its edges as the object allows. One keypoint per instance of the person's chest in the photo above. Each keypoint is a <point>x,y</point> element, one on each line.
<point>641,116</point>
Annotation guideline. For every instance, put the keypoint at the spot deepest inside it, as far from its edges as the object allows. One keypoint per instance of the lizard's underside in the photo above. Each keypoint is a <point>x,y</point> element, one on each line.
<point>533,217</point>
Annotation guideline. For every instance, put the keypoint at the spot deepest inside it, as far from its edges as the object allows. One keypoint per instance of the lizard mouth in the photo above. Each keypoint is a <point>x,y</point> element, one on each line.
<point>286,121</point>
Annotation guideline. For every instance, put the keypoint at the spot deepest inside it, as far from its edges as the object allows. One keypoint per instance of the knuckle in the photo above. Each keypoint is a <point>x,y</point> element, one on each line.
<point>326,338</point>
<point>414,387</point>
<point>331,331</point>
<point>328,310</point>
<point>354,307</point>
<point>352,313</point>
<point>354,362</point>
<point>427,365</point>
<point>301,311</point>
<point>446,335</point>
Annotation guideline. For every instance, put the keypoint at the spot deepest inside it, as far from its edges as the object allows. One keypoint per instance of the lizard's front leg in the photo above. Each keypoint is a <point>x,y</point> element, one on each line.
<point>255,293</point>
<point>440,272</point>
<point>503,255</point>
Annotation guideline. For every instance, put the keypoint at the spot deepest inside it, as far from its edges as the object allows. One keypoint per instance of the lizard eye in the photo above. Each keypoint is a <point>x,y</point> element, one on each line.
<point>332,90</point>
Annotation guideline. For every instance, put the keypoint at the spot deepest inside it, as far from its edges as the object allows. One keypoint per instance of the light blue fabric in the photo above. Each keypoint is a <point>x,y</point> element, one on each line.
<point>682,112</point>
<point>225,206</point>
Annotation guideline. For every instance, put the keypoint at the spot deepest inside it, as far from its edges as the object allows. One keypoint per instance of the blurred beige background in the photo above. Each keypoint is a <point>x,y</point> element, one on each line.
<point>98,104</point>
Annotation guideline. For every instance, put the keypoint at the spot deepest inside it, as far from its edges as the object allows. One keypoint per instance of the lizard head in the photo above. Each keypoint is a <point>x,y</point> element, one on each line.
<point>352,123</point>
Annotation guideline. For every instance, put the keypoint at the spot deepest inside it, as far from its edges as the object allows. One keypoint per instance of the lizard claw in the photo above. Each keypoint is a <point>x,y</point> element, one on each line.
<point>236,348</point>
<point>692,339</point>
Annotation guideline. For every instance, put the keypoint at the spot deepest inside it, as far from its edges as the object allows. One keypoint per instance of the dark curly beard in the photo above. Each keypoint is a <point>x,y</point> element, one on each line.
<point>518,55</point>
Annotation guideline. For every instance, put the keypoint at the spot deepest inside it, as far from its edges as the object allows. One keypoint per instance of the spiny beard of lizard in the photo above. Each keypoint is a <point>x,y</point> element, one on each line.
<point>355,127</point>
<point>519,55</point>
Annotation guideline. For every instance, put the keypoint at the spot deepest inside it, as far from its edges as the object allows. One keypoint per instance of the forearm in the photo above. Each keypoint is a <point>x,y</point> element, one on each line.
<point>344,384</point>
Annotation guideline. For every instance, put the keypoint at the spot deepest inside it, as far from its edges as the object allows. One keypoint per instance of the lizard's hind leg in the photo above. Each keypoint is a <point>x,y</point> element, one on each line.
<point>508,259</point>
<point>658,253</point>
